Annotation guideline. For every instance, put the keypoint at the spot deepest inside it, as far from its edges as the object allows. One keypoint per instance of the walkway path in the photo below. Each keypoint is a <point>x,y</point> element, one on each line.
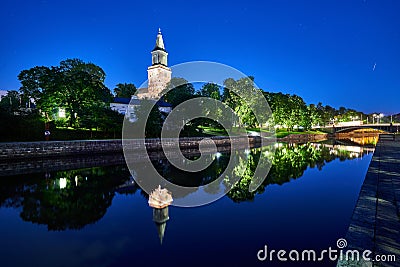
<point>375,224</point>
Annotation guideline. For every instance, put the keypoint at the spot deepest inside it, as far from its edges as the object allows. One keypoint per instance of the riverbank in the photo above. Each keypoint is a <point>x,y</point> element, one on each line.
<point>375,224</point>
<point>40,149</point>
<point>23,150</point>
<point>299,138</point>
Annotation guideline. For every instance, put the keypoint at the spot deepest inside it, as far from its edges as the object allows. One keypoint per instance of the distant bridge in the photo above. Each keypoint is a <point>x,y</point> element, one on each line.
<point>387,127</point>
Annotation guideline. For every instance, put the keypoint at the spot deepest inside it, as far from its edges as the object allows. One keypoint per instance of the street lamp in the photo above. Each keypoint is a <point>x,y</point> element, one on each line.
<point>373,118</point>
<point>380,117</point>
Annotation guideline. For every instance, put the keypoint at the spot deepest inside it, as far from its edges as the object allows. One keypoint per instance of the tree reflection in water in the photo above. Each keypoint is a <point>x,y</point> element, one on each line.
<point>289,162</point>
<point>65,199</point>
<point>72,199</point>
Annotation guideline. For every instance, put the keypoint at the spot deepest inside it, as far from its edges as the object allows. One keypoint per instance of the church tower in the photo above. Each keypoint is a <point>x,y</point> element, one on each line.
<point>159,75</point>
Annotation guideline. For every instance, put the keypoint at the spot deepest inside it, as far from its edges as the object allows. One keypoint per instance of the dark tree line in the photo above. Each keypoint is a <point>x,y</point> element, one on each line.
<point>71,94</point>
<point>288,111</point>
<point>76,89</point>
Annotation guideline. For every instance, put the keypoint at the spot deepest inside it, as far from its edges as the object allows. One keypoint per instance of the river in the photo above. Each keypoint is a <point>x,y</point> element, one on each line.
<point>99,216</point>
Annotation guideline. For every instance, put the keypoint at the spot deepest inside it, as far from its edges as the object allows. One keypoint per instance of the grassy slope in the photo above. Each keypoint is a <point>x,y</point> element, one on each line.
<point>279,133</point>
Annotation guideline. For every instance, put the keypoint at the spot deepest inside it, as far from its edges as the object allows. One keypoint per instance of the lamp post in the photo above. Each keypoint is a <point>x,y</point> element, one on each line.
<point>377,117</point>
<point>380,117</point>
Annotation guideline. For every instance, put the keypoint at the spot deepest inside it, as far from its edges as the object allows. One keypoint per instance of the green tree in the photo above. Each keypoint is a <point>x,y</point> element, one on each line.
<point>211,90</point>
<point>320,117</point>
<point>10,103</point>
<point>81,88</point>
<point>125,90</point>
<point>280,105</point>
<point>329,114</point>
<point>39,84</point>
<point>111,121</point>
<point>314,115</point>
<point>74,85</point>
<point>152,124</point>
<point>102,118</point>
<point>180,90</point>
<point>298,113</point>
<point>239,95</point>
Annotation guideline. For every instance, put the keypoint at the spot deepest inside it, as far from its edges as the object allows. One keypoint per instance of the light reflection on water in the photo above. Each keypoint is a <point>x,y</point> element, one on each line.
<point>360,138</point>
<point>99,217</point>
<point>369,140</point>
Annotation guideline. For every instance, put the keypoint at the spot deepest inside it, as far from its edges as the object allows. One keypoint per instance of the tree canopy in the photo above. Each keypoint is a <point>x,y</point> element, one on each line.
<point>125,90</point>
<point>78,88</point>
<point>10,103</point>
<point>179,90</point>
<point>75,86</point>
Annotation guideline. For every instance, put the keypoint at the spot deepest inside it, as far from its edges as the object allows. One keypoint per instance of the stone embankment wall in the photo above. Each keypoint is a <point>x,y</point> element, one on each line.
<point>87,147</point>
<point>51,164</point>
<point>300,138</point>
<point>57,148</point>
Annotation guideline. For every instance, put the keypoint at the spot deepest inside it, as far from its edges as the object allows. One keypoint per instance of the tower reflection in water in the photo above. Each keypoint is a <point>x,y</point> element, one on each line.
<point>159,200</point>
<point>160,217</point>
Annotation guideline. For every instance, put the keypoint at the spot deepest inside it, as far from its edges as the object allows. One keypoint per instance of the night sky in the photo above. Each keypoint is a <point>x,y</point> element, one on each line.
<point>342,53</point>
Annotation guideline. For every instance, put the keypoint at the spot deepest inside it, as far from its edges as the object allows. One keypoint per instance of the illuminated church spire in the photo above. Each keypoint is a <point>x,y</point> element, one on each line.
<point>159,75</point>
<point>159,54</point>
<point>159,41</point>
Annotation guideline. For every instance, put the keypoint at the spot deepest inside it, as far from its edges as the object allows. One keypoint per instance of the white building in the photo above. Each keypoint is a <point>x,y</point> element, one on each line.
<point>126,106</point>
<point>121,105</point>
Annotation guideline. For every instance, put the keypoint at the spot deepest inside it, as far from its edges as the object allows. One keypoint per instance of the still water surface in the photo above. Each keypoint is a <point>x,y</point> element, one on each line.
<point>98,216</point>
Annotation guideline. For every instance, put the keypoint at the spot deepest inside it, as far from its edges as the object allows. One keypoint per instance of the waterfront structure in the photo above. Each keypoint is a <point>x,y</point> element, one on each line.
<point>159,75</point>
<point>375,223</point>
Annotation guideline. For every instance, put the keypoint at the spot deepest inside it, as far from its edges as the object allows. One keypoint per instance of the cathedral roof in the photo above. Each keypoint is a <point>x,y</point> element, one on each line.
<point>121,100</point>
<point>162,103</point>
<point>126,101</point>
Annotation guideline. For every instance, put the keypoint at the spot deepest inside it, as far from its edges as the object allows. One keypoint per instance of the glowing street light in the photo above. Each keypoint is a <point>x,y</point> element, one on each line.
<point>373,118</point>
<point>380,117</point>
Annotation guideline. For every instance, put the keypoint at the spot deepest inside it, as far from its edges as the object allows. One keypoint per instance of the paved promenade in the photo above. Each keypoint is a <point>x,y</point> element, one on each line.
<point>375,224</point>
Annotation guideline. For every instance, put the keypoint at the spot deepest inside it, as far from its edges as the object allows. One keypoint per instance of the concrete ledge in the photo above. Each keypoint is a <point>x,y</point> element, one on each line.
<point>375,224</point>
<point>387,137</point>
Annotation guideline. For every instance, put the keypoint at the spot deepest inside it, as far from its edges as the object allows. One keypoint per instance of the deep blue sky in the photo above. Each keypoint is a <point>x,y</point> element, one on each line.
<point>321,50</point>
